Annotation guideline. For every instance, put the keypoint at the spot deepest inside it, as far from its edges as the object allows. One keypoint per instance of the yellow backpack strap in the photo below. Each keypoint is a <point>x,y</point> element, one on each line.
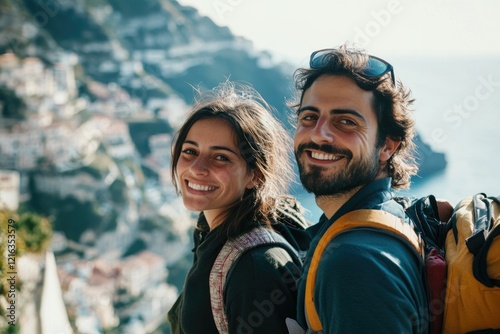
<point>354,219</point>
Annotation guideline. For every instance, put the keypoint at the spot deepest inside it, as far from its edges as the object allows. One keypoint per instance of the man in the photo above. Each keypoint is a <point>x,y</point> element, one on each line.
<point>353,145</point>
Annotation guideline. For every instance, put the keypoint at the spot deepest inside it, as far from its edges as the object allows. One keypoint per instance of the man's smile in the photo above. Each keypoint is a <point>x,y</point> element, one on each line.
<point>324,156</point>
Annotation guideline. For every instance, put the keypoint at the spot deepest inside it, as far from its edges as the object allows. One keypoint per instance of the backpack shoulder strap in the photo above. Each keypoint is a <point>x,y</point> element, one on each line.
<point>354,219</point>
<point>227,257</point>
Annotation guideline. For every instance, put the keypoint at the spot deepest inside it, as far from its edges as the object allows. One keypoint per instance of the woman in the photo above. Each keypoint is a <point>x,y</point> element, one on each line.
<point>230,162</point>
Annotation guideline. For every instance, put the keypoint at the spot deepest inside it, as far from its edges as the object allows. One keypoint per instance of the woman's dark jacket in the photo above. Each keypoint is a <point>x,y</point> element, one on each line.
<point>260,293</point>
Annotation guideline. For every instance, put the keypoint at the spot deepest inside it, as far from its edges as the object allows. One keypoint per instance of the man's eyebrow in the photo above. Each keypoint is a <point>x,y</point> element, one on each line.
<point>308,108</point>
<point>215,148</point>
<point>348,111</point>
<point>333,111</point>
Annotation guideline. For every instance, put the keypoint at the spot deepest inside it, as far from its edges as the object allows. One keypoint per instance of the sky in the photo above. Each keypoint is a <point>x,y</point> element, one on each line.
<point>292,29</point>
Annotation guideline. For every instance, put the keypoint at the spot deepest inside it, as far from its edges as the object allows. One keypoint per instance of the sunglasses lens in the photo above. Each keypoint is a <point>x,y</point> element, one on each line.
<point>320,58</point>
<point>375,67</point>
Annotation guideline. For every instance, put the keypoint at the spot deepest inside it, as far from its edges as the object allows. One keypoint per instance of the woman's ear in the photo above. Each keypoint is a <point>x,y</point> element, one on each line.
<point>387,150</point>
<point>256,179</point>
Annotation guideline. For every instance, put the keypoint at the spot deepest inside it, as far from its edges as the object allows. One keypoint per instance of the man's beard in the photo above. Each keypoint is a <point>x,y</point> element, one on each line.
<point>354,174</point>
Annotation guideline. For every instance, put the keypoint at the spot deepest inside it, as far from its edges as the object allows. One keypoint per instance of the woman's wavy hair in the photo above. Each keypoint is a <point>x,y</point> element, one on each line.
<point>263,142</point>
<point>392,105</point>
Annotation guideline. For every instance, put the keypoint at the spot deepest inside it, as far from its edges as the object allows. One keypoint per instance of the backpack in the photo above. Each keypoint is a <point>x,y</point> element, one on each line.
<point>462,259</point>
<point>472,300</point>
<point>288,231</point>
<point>424,214</point>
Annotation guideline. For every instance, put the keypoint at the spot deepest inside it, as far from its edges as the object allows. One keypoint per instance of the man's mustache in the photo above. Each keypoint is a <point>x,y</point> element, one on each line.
<point>324,148</point>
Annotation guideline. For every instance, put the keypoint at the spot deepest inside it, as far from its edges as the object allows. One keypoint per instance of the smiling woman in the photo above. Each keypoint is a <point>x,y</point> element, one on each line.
<point>212,172</point>
<point>230,161</point>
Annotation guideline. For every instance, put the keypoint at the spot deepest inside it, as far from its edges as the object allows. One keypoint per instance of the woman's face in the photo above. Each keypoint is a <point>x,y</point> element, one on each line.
<point>212,174</point>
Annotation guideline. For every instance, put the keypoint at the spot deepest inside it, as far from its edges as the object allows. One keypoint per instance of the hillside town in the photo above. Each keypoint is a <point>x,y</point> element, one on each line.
<point>70,146</point>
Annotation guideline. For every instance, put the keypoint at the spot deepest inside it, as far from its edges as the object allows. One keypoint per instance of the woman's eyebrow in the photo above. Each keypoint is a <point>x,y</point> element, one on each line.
<point>224,148</point>
<point>214,148</point>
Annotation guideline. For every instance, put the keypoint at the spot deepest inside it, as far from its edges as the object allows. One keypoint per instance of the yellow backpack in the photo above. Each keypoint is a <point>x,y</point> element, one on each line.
<point>472,300</point>
<point>472,248</point>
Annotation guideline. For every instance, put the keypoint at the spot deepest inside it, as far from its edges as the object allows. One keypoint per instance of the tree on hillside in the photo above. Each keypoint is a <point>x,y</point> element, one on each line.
<point>34,233</point>
<point>20,234</point>
<point>11,106</point>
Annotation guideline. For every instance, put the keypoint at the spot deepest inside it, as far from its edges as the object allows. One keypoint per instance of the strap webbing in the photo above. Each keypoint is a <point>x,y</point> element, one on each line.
<point>228,255</point>
<point>482,223</point>
<point>480,262</point>
<point>354,219</point>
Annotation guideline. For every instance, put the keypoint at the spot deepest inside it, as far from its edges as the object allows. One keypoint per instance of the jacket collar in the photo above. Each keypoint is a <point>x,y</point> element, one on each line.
<point>371,196</point>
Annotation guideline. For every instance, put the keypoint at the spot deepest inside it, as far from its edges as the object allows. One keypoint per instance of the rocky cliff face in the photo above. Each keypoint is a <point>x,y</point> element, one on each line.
<point>151,48</point>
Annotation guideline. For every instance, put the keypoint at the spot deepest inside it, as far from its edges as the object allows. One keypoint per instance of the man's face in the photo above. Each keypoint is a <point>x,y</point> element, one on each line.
<point>336,136</point>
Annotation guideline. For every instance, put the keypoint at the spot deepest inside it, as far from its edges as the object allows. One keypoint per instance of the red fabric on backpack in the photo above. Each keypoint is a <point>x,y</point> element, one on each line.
<point>435,271</point>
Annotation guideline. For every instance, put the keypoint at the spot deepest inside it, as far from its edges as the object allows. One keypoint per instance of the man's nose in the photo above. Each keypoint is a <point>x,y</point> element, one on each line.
<point>322,132</point>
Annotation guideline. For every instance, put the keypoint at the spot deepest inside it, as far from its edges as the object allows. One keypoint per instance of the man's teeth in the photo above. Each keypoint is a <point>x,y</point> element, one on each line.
<point>200,187</point>
<point>323,156</point>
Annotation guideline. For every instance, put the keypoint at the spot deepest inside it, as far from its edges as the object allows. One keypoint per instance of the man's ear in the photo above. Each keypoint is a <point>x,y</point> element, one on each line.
<point>387,150</point>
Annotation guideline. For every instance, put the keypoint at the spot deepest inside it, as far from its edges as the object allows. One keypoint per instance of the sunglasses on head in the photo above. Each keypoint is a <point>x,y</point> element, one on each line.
<point>375,68</point>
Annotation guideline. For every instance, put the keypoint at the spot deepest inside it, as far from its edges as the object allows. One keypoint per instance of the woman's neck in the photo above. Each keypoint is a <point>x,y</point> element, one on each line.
<point>214,217</point>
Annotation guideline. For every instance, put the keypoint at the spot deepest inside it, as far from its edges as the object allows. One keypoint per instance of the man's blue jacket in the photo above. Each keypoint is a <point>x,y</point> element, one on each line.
<point>367,281</point>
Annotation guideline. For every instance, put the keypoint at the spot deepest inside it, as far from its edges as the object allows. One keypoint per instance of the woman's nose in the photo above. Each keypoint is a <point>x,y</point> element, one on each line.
<point>199,166</point>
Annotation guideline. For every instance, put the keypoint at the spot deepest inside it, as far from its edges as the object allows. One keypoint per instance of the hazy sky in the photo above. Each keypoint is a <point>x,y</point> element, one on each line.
<point>292,29</point>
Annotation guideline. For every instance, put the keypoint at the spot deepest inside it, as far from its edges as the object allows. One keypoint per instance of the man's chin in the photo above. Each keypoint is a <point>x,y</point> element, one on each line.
<point>336,192</point>
<point>322,186</point>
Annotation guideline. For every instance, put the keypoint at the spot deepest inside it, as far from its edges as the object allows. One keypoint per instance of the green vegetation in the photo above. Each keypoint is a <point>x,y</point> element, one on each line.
<point>11,106</point>
<point>12,329</point>
<point>70,215</point>
<point>30,232</point>
<point>135,8</point>
<point>159,223</point>
<point>141,131</point>
<point>118,191</point>
<point>20,233</point>
<point>137,246</point>
<point>66,25</point>
<point>33,232</point>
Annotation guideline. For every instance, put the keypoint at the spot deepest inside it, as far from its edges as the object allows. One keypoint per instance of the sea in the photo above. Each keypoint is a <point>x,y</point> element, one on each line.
<point>457,112</point>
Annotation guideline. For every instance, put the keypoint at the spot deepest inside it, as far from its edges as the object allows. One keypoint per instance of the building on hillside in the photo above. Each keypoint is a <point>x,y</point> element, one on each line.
<point>9,189</point>
<point>142,271</point>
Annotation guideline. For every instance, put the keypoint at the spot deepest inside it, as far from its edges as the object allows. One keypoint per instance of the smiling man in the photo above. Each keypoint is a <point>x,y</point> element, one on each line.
<point>353,145</point>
